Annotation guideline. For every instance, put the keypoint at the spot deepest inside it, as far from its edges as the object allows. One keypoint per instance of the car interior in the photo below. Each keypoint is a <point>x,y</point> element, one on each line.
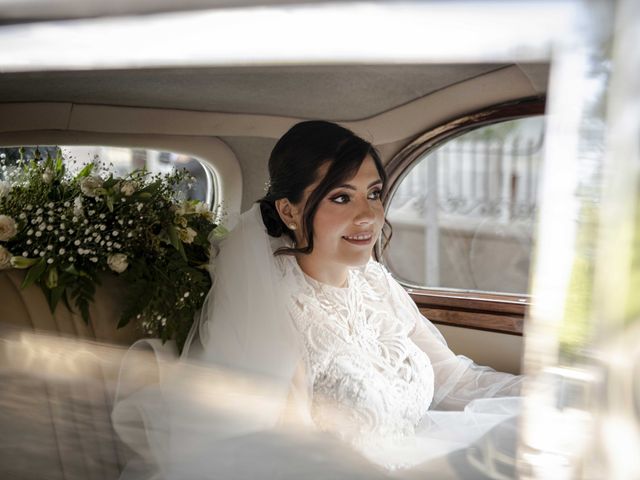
<point>229,118</point>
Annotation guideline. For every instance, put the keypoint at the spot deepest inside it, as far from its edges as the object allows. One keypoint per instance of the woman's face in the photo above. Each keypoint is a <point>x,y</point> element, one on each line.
<point>346,226</point>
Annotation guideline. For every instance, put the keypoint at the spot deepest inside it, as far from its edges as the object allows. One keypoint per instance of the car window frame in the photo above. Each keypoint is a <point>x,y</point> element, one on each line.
<point>213,197</point>
<point>488,311</point>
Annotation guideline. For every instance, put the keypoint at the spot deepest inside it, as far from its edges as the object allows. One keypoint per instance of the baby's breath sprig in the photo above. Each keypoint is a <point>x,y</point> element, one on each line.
<point>66,230</point>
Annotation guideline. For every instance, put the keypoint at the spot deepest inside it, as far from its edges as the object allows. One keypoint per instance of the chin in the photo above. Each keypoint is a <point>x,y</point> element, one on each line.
<point>359,261</point>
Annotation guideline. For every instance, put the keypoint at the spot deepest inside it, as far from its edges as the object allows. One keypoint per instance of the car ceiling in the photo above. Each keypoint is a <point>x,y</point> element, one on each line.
<point>333,92</point>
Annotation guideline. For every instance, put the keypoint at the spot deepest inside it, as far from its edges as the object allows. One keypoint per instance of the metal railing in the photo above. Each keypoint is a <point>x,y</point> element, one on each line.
<point>495,178</point>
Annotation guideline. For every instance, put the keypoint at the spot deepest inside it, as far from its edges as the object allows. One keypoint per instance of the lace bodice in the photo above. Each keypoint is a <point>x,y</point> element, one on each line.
<point>367,378</point>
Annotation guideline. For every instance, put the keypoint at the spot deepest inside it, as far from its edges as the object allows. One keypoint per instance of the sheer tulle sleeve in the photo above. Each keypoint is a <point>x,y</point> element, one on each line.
<point>458,380</point>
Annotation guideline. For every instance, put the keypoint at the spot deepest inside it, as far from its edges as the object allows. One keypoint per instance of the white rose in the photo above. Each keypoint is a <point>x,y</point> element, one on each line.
<point>7,228</point>
<point>77,207</point>
<point>5,188</point>
<point>47,176</point>
<point>128,188</point>
<point>187,234</point>
<point>203,210</point>
<point>183,209</point>
<point>117,262</point>
<point>5,258</point>
<point>90,185</point>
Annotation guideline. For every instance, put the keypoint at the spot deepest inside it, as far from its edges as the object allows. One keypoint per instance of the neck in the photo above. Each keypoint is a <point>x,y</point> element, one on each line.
<point>334,275</point>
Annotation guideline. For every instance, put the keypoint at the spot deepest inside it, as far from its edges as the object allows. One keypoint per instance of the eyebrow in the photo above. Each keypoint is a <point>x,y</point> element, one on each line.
<point>351,187</point>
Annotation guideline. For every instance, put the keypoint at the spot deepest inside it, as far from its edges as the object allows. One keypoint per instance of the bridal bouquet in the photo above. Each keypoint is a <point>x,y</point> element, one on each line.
<point>67,230</point>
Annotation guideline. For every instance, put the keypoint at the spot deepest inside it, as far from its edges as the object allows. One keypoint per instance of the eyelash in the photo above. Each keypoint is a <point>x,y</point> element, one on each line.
<point>377,193</point>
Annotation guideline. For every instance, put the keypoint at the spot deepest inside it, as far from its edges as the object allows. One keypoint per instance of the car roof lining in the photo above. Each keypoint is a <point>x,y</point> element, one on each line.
<point>251,135</point>
<point>332,92</point>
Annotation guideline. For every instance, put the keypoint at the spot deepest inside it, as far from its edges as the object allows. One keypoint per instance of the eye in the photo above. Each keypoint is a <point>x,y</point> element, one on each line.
<point>342,198</point>
<point>375,194</point>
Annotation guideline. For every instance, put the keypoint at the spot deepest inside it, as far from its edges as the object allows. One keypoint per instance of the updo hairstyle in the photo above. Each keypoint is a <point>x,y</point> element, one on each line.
<point>294,164</point>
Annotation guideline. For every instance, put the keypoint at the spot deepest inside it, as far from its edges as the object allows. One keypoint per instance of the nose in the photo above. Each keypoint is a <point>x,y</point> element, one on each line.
<point>365,214</point>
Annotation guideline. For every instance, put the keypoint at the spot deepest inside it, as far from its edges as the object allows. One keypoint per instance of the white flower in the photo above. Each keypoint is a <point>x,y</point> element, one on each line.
<point>183,209</point>
<point>7,227</point>
<point>187,234</point>
<point>128,188</point>
<point>202,209</point>
<point>77,208</point>
<point>5,258</point>
<point>5,188</point>
<point>23,262</point>
<point>117,262</point>
<point>47,176</point>
<point>90,185</point>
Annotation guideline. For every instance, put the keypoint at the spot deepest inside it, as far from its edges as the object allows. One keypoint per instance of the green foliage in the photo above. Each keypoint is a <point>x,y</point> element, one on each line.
<point>71,229</point>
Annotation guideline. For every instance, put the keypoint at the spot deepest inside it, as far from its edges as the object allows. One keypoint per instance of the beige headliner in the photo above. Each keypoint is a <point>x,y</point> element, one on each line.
<point>191,131</point>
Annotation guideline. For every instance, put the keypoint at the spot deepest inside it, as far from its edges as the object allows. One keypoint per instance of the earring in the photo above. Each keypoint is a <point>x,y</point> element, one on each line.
<point>292,226</point>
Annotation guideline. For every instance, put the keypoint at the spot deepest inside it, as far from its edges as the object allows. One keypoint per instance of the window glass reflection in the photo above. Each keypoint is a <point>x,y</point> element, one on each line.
<point>463,216</point>
<point>121,161</point>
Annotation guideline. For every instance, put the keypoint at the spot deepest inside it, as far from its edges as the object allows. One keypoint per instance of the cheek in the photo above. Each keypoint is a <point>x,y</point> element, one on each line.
<point>327,226</point>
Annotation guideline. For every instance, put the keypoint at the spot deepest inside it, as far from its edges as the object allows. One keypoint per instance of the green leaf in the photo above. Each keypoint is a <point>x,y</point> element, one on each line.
<point>220,232</point>
<point>86,171</point>
<point>84,311</point>
<point>65,297</point>
<point>72,270</point>
<point>82,293</point>
<point>52,277</point>
<point>55,296</point>
<point>124,321</point>
<point>175,240</point>
<point>109,202</point>
<point>23,262</point>
<point>34,273</point>
<point>47,295</point>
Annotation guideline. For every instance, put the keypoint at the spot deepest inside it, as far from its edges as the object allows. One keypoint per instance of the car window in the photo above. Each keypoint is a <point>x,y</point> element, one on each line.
<point>463,215</point>
<point>122,160</point>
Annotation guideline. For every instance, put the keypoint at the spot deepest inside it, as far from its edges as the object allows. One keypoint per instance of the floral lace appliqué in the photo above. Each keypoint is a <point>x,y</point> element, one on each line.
<point>368,378</point>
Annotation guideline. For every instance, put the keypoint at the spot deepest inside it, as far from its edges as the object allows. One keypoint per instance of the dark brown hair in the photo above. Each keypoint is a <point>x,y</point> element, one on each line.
<point>294,165</point>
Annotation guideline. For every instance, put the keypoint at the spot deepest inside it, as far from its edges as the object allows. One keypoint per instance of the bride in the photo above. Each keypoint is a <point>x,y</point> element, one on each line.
<point>309,360</point>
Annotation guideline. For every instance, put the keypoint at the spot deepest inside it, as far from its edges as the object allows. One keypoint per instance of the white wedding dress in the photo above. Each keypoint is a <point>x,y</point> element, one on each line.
<point>325,382</point>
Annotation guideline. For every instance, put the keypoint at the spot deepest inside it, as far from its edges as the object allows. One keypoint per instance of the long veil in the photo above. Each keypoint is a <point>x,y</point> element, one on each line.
<point>217,411</point>
<point>244,324</point>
